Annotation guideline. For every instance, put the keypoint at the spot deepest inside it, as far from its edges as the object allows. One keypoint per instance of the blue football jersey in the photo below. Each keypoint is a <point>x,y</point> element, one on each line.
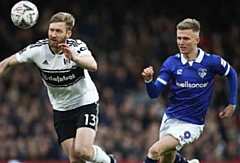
<point>192,84</point>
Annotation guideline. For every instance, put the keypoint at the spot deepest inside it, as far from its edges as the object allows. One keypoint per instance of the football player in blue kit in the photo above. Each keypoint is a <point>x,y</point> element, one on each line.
<point>192,73</point>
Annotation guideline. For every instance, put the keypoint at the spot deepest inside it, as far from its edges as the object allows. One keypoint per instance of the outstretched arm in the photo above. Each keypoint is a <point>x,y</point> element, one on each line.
<point>7,63</point>
<point>233,87</point>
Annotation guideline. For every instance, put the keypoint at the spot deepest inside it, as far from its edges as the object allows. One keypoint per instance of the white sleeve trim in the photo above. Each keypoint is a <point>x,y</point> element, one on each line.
<point>162,81</point>
<point>148,80</point>
<point>228,69</point>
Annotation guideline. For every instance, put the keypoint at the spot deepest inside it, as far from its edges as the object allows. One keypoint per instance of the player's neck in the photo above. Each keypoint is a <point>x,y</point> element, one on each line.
<point>56,50</point>
<point>191,56</point>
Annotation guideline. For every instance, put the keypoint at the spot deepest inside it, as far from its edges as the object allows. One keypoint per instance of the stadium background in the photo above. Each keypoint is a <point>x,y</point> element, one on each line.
<point>125,37</point>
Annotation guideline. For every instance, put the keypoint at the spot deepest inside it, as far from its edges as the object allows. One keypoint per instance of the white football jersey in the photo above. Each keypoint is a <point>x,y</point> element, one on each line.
<point>69,85</point>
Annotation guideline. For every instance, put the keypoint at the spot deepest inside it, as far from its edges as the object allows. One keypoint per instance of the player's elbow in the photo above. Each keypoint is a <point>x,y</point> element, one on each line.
<point>93,67</point>
<point>232,72</point>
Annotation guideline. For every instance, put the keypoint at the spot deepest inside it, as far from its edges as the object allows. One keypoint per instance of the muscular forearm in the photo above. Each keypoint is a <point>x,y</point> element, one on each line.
<point>4,65</point>
<point>86,62</point>
<point>7,63</point>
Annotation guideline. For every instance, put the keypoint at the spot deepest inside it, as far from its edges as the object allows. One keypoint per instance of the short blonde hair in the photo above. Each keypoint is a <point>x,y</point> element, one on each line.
<point>63,17</point>
<point>189,24</point>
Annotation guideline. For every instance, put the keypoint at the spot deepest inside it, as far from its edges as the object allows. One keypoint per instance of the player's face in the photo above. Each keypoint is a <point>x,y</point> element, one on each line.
<point>187,41</point>
<point>57,34</point>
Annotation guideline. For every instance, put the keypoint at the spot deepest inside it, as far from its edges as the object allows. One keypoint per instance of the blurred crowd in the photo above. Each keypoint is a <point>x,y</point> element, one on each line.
<point>124,37</point>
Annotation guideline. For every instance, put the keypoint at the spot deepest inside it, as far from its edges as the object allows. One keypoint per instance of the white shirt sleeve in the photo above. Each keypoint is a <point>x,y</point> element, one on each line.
<point>26,55</point>
<point>81,49</point>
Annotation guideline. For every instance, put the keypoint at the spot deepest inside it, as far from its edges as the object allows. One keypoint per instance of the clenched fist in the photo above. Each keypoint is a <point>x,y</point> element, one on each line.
<point>147,74</point>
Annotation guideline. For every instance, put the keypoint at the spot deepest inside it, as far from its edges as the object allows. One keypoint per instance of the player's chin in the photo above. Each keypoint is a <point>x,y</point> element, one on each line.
<point>53,44</point>
<point>183,50</point>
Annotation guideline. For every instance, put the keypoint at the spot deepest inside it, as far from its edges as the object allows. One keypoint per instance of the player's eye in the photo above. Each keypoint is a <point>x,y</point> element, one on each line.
<point>58,31</point>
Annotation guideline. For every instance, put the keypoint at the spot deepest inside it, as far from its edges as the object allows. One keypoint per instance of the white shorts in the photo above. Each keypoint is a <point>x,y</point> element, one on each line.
<point>185,132</point>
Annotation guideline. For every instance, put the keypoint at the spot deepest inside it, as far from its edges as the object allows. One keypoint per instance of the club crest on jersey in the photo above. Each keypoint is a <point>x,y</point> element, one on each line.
<point>66,61</point>
<point>202,72</point>
<point>21,51</point>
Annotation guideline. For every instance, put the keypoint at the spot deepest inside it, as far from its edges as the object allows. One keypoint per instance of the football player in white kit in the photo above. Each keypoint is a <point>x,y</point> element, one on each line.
<point>64,64</point>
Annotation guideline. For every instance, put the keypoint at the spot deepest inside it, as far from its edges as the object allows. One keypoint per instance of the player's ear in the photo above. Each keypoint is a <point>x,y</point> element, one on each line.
<point>69,34</point>
<point>197,40</point>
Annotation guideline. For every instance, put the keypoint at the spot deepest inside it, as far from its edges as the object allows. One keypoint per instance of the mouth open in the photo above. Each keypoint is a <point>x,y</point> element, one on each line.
<point>53,41</point>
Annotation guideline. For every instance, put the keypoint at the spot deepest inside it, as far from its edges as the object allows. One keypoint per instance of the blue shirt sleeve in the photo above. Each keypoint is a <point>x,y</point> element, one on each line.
<point>233,85</point>
<point>220,66</point>
<point>223,68</point>
<point>154,89</point>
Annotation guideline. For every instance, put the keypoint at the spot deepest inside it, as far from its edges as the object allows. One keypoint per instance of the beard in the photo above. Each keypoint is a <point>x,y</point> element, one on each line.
<point>54,42</point>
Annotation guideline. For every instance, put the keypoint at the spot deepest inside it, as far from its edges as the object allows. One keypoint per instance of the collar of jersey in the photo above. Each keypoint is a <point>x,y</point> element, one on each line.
<point>198,59</point>
<point>60,53</point>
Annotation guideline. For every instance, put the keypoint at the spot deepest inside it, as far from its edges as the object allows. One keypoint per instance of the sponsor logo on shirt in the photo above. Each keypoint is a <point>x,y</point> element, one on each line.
<point>45,62</point>
<point>186,84</point>
<point>59,78</point>
<point>62,78</point>
<point>179,72</point>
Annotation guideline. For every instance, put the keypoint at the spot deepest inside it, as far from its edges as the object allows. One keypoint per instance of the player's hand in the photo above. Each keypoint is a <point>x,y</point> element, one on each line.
<point>227,112</point>
<point>67,51</point>
<point>147,73</point>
